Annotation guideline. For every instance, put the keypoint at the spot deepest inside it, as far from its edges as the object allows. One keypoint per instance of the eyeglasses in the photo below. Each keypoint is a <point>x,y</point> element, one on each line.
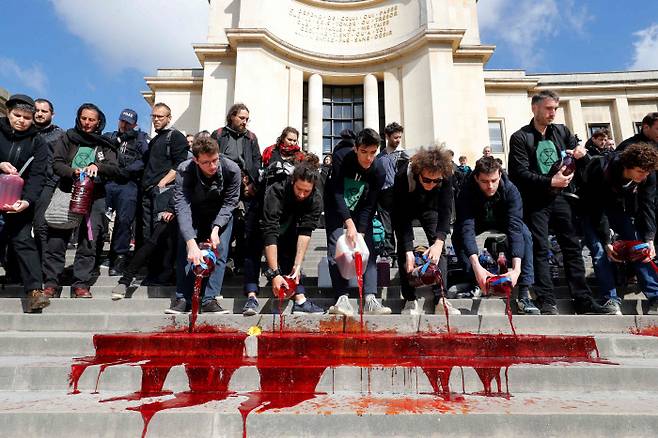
<point>158,116</point>
<point>427,180</point>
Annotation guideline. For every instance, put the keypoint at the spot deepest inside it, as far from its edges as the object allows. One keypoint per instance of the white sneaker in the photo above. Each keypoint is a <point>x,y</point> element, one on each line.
<point>412,308</point>
<point>342,307</point>
<point>119,292</point>
<point>439,310</point>
<point>374,307</point>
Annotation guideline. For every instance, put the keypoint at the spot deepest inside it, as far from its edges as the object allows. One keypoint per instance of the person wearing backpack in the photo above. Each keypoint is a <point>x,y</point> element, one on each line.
<point>81,150</point>
<point>22,152</point>
<point>393,157</point>
<point>166,151</point>
<point>423,191</point>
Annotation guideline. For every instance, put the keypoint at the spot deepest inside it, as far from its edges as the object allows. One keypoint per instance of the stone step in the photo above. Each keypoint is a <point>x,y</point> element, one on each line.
<point>614,414</point>
<point>52,373</point>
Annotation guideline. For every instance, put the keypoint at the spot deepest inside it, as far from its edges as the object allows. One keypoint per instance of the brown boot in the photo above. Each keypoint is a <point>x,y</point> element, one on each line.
<point>36,300</point>
<point>81,292</point>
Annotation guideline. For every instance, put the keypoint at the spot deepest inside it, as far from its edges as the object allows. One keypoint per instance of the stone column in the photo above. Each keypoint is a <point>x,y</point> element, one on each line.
<point>370,102</point>
<point>393,101</point>
<point>315,114</point>
<point>622,119</point>
<point>574,119</point>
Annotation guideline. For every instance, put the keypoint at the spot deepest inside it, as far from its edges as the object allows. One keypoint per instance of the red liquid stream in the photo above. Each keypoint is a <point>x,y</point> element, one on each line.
<point>358,267</point>
<point>198,281</point>
<point>504,290</point>
<point>290,365</point>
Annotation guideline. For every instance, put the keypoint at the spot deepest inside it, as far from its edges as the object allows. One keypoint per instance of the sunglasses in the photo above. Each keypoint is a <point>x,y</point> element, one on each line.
<point>427,180</point>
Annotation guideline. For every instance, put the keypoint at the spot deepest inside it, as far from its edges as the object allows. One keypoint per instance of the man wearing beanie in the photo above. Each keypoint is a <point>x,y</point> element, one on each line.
<point>24,154</point>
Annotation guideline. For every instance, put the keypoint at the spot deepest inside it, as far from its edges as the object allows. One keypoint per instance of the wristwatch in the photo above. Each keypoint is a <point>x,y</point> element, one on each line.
<point>271,273</point>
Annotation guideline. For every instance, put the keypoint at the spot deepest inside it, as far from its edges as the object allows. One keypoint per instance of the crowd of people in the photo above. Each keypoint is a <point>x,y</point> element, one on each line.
<point>174,195</point>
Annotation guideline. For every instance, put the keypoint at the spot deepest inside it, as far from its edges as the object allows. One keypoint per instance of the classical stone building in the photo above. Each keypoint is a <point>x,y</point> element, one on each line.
<point>4,95</point>
<point>322,66</point>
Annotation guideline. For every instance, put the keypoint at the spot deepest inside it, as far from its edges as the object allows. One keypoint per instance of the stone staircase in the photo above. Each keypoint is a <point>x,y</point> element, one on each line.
<point>395,376</point>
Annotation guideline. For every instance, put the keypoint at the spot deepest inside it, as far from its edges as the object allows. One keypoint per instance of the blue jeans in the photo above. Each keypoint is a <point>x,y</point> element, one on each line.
<point>646,276</point>
<point>185,277</point>
<point>603,268</point>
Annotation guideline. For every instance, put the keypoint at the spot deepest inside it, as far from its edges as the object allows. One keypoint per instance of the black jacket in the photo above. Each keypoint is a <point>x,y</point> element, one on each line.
<point>50,134</point>
<point>166,151</point>
<point>251,155</point>
<point>432,208</point>
<point>202,204</point>
<point>637,138</point>
<point>523,167</point>
<point>477,213</point>
<point>17,148</point>
<point>132,148</point>
<point>603,189</point>
<point>365,185</point>
<point>283,213</point>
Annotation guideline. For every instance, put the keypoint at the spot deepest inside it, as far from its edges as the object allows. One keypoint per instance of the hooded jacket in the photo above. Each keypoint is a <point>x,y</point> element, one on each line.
<point>16,147</point>
<point>68,145</point>
<point>477,213</point>
<point>432,208</point>
<point>604,188</point>
<point>250,161</point>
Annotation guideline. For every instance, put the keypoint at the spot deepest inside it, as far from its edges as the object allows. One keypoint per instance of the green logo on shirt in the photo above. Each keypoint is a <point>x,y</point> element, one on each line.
<point>546,156</point>
<point>352,192</point>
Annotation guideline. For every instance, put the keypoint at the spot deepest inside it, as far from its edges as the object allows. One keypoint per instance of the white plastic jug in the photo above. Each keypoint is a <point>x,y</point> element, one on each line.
<point>345,255</point>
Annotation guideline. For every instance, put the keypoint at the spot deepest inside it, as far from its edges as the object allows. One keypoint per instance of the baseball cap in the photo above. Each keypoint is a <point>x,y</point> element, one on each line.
<point>129,116</point>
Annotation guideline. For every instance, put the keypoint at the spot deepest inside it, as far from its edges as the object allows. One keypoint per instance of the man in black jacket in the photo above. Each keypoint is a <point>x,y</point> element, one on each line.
<point>207,191</point>
<point>132,146</point>
<point>350,200</point>
<point>423,191</point>
<point>648,133</point>
<point>534,150</point>
<point>619,192</point>
<point>291,210</point>
<point>489,201</point>
<point>167,150</point>
<point>19,144</point>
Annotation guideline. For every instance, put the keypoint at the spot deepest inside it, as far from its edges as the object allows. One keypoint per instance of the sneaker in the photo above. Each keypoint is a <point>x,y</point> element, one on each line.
<point>307,308</point>
<point>439,309</point>
<point>612,306</point>
<point>373,307</point>
<point>250,307</point>
<point>213,306</point>
<point>81,292</point>
<point>527,307</point>
<point>549,309</point>
<point>177,307</point>
<point>119,291</point>
<point>36,300</point>
<point>412,307</point>
<point>50,291</point>
<point>653,307</point>
<point>589,306</point>
<point>342,307</point>
<point>119,265</point>
<point>474,292</point>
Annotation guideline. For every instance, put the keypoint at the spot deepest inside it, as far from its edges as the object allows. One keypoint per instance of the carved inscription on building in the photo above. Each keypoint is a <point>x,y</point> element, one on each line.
<point>343,28</point>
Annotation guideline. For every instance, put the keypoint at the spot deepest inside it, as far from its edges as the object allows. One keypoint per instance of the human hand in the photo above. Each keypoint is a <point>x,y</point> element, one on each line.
<point>91,170</point>
<point>167,216</point>
<point>214,237</point>
<point>7,167</point>
<point>411,261</point>
<point>612,255</point>
<point>16,207</point>
<point>561,181</point>
<point>194,254</point>
<point>513,275</point>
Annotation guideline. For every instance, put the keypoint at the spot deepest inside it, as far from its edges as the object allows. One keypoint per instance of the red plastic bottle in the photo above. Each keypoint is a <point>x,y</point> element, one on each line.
<point>631,250</point>
<point>502,263</point>
<point>207,265</point>
<point>82,195</point>
<point>11,189</point>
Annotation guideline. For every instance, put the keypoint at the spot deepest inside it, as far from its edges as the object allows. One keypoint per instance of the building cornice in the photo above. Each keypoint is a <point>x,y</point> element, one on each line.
<point>212,52</point>
<point>181,81</point>
<point>422,38</point>
<point>328,4</point>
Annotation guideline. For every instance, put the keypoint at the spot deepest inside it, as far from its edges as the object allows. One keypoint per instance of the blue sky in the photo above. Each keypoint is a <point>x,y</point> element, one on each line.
<point>76,51</point>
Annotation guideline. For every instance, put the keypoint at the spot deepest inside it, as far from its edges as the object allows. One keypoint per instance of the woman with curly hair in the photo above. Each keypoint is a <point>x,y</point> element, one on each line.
<point>423,191</point>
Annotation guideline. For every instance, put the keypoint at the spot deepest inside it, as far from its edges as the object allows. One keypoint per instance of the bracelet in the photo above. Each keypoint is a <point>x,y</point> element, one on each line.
<point>270,274</point>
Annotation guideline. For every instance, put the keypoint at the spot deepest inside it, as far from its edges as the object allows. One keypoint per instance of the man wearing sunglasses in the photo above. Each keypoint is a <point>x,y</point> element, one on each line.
<point>489,201</point>
<point>423,191</point>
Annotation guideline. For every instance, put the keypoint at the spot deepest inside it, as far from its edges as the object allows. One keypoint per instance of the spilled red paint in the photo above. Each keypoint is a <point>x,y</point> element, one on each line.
<point>290,365</point>
<point>358,268</point>
<point>198,283</point>
<point>646,331</point>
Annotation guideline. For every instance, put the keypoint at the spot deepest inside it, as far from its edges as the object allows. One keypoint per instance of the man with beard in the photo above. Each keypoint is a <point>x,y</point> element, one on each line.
<point>122,194</point>
<point>81,149</point>
<point>167,150</point>
<point>240,145</point>
<point>23,153</point>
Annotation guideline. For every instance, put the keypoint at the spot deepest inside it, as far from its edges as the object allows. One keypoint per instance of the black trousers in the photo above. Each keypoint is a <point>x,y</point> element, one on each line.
<point>40,224</point>
<point>384,210</point>
<point>161,240</point>
<point>18,233</point>
<point>558,215</point>
<point>85,255</point>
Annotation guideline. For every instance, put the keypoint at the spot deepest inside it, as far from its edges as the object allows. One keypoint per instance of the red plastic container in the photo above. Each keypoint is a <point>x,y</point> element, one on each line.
<point>11,189</point>
<point>82,195</point>
<point>631,250</point>
<point>427,274</point>
<point>289,288</point>
<point>499,285</point>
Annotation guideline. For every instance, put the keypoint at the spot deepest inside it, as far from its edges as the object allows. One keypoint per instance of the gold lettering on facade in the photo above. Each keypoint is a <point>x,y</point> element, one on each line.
<point>343,29</point>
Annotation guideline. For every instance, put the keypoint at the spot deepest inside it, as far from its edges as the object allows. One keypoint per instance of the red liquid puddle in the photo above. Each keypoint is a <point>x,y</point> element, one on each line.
<point>198,282</point>
<point>646,331</point>
<point>290,365</point>
<point>358,267</point>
